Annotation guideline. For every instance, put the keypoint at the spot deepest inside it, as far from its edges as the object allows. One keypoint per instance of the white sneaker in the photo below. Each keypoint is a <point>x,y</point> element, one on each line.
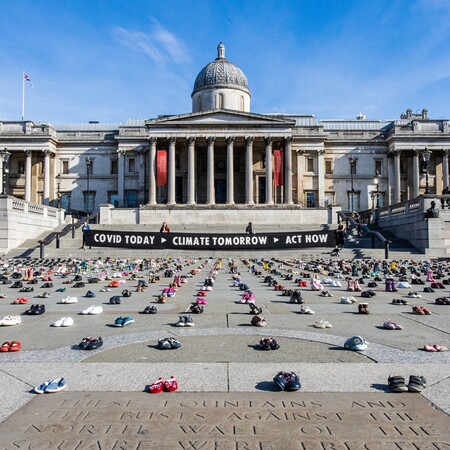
<point>59,322</point>
<point>88,310</point>
<point>8,321</point>
<point>96,310</point>
<point>346,300</point>
<point>69,300</point>
<point>105,289</point>
<point>67,322</point>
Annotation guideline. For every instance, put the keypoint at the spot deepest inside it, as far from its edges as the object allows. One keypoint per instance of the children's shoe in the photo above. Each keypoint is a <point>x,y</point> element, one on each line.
<point>127,321</point>
<point>188,322</point>
<point>170,385</point>
<point>397,384</point>
<point>417,383</point>
<point>181,321</point>
<point>280,380</point>
<point>55,386</point>
<point>293,382</point>
<point>356,343</point>
<point>156,387</point>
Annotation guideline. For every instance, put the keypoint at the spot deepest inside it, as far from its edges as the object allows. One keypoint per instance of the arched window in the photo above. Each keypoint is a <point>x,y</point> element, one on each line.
<point>220,101</point>
<point>241,103</point>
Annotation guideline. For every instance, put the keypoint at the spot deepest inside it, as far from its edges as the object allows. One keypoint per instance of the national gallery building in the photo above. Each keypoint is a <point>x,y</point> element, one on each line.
<point>223,155</point>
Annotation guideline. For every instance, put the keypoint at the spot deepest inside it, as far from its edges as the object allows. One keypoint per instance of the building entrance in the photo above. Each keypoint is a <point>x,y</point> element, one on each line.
<point>220,187</point>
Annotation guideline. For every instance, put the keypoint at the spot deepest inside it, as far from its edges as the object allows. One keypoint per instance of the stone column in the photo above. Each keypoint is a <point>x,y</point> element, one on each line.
<point>46,199</point>
<point>269,181</point>
<point>397,179</point>
<point>415,185</point>
<point>445,168</point>
<point>121,178</point>
<point>230,170</point>
<point>171,172</point>
<point>320,177</point>
<point>288,171</point>
<point>28,175</point>
<point>152,172</point>
<point>141,174</point>
<point>249,171</point>
<point>191,171</point>
<point>210,197</point>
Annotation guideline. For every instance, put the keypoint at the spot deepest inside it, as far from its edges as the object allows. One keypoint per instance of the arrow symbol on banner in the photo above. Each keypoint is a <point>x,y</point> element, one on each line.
<point>163,240</point>
<point>275,239</point>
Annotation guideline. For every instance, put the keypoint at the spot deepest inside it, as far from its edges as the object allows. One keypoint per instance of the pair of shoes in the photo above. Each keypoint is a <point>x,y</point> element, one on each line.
<point>105,289</point>
<point>414,295</point>
<point>35,310</point>
<point>90,344</point>
<point>363,308</point>
<point>63,322</point>
<point>27,289</point>
<point>168,343</point>
<point>150,310</point>
<point>442,301</point>
<point>435,348</point>
<point>355,343</point>
<point>259,321</point>
<point>185,321</point>
<point>325,294</point>
<point>160,385</point>
<point>89,294</point>
<point>304,309</point>
<point>254,309</point>
<point>68,300</point>
<point>287,381</point>
<point>115,300</point>
<point>92,310</point>
<point>47,285</point>
<point>43,295</point>
<point>63,289</point>
<point>348,300</point>
<point>11,346</point>
<point>368,293</point>
<point>397,383</point>
<point>268,343</point>
<point>126,293</point>
<point>323,324</point>
<point>80,284</point>
<point>196,309</point>
<point>123,321</point>
<point>51,386</point>
<point>421,310</point>
<point>391,325</point>
<point>203,301</point>
<point>20,301</point>
<point>428,289</point>
<point>398,301</point>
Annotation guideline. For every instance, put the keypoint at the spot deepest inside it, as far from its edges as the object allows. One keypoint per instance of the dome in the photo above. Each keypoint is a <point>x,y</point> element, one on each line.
<point>221,73</point>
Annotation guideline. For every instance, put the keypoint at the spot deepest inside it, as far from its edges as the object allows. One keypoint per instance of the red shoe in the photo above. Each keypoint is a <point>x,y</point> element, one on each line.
<point>171,384</point>
<point>156,387</point>
<point>201,294</point>
<point>20,301</point>
<point>5,347</point>
<point>15,346</point>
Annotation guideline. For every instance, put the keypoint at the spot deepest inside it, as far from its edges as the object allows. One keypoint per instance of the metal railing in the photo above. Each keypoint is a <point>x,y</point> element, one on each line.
<point>57,235</point>
<point>363,227</point>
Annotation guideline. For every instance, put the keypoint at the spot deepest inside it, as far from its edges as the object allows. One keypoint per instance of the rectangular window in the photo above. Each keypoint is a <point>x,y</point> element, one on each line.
<point>113,198</point>
<point>353,200</point>
<point>378,167</point>
<point>353,167</point>
<point>21,166</point>
<point>89,201</point>
<point>328,167</point>
<point>309,164</point>
<point>310,199</point>
<point>64,167</point>
<point>114,167</point>
<point>329,198</point>
<point>131,199</point>
<point>89,166</point>
<point>131,165</point>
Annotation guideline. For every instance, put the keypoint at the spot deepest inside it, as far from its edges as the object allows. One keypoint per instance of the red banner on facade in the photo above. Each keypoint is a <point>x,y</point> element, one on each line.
<point>161,167</point>
<point>278,168</point>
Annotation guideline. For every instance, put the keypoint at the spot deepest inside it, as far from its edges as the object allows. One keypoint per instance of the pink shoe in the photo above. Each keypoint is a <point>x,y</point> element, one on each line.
<point>170,385</point>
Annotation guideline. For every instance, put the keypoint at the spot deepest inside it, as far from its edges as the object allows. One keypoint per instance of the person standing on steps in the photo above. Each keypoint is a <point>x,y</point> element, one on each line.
<point>84,228</point>
<point>164,228</point>
<point>249,229</point>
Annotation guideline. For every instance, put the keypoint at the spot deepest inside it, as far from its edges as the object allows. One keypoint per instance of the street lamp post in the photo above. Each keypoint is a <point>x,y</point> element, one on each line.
<point>426,155</point>
<point>352,161</point>
<point>58,192</point>
<point>5,158</point>
<point>89,162</point>
<point>376,180</point>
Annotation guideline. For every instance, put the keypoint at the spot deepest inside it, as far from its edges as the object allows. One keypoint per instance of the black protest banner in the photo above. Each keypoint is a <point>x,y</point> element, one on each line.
<point>207,241</point>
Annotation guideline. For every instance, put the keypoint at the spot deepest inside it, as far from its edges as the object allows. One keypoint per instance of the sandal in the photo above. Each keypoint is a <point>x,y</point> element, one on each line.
<point>397,384</point>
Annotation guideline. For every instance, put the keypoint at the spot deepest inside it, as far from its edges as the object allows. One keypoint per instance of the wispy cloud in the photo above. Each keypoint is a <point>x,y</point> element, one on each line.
<point>158,43</point>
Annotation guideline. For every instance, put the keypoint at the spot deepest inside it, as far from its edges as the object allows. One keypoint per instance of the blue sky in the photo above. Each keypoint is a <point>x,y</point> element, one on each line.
<point>114,60</point>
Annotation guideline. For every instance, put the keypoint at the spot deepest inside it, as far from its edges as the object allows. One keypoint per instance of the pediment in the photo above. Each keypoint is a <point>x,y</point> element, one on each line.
<point>221,118</point>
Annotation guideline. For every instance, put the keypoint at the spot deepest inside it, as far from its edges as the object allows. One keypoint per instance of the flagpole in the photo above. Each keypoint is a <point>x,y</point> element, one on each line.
<point>23,95</point>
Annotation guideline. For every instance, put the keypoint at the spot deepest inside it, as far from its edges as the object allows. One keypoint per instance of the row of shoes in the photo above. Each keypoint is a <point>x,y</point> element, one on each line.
<point>8,321</point>
<point>168,343</point>
<point>51,386</point>
<point>63,322</point>
<point>11,346</point>
<point>123,321</point>
<point>287,381</point>
<point>397,383</point>
<point>161,385</point>
<point>89,343</point>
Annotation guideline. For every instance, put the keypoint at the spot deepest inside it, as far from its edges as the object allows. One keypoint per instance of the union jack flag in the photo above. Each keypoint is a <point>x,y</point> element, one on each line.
<point>27,78</point>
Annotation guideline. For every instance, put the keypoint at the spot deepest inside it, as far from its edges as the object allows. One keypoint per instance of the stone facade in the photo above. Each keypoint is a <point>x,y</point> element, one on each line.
<point>222,153</point>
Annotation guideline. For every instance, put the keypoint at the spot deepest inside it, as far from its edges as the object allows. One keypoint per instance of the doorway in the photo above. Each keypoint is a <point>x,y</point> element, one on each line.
<point>220,187</point>
<point>261,189</point>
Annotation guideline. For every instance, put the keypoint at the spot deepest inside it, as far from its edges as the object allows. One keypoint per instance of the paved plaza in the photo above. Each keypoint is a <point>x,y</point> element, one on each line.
<point>220,361</point>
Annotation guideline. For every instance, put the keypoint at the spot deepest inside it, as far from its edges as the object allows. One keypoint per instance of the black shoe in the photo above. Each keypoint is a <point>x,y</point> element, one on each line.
<point>115,300</point>
<point>84,343</point>
<point>281,379</point>
<point>38,310</point>
<point>293,382</point>
<point>94,344</point>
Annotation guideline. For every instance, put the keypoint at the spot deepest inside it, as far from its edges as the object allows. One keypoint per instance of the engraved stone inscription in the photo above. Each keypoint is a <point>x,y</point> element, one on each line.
<point>226,421</point>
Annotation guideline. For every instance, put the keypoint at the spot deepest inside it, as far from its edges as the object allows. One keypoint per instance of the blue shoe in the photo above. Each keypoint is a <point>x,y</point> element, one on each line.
<point>119,322</point>
<point>55,385</point>
<point>127,321</point>
<point>41,388</point>
<point>90,294</point>
<point>356,343</point>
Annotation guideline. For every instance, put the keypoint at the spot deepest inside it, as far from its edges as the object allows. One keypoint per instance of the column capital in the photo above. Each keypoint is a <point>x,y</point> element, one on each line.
<point>268,140</point>
<point>27,152</point>
<point>48,152</point>
<point>288,139</point>
<point>121,152</point>
<point>445,152</point>
<point>249,140</point>
<point>153,140</point>
<point>416,151</point>
<point>321,152</point>
<point>142,150</point>
<point>191,140</point>
<point>210,140</point>
<point>230,139</point>
<point>172,139</point>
